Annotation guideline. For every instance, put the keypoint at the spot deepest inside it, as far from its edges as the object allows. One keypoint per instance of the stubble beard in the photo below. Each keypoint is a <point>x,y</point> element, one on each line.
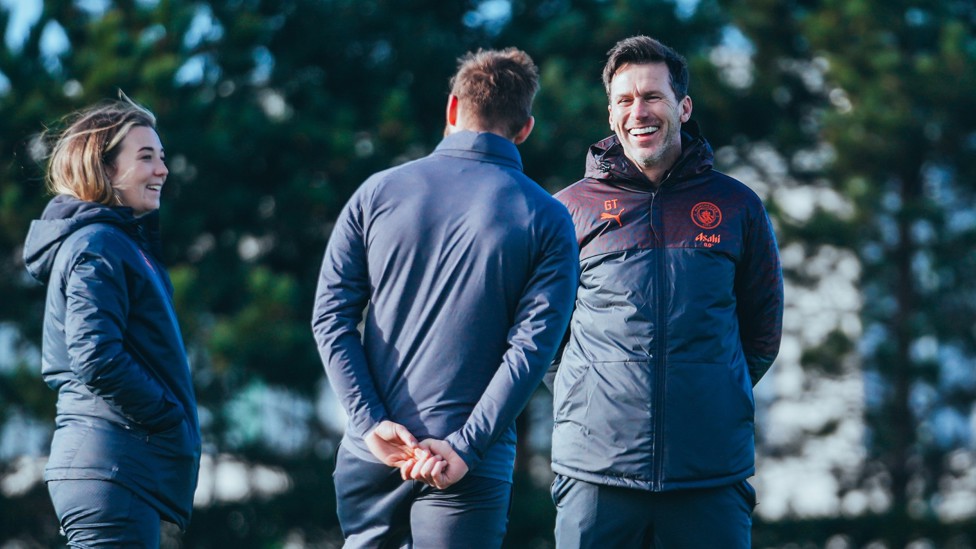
<point>664,155</point>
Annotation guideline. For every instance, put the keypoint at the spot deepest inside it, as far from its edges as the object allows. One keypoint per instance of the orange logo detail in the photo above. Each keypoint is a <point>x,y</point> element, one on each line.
<point>615,217</point>
<point>708,240</point>
<point>706,215</point>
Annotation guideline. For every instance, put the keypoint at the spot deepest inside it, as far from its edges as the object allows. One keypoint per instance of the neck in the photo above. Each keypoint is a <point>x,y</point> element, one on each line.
<point>656,169</point>
<point>654,175</point>
<point>466,122</point>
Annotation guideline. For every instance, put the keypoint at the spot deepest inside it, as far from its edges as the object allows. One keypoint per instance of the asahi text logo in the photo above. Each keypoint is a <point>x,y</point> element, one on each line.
<point>708,240</point>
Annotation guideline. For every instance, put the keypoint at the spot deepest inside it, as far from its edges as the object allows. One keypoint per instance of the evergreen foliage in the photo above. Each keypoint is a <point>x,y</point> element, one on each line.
<point>272,112</point>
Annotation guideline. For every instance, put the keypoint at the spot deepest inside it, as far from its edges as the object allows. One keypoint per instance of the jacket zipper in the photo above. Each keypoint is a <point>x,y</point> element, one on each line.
<point>657,403</point>
<point>660,361</point>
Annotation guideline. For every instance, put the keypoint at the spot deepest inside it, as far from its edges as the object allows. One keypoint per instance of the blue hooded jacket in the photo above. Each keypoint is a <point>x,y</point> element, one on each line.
<point>113,351</point>
<point>678,314</point>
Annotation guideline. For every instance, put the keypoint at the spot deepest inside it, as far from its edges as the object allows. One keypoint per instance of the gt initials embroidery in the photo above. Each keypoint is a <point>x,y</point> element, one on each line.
<point>706,215</point>
<point>607,215</point>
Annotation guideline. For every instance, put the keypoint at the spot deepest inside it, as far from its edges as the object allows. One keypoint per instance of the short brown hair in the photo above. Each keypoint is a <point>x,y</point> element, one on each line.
<point>498,86</point>
<point>641,50</point>
<point>89,145</point>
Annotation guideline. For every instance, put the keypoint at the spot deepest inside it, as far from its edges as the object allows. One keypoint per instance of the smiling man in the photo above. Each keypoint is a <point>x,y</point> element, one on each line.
<point>678,315</point>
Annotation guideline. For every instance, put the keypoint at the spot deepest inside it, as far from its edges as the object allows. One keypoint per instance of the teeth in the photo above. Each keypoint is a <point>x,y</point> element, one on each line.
<point>155,187</point>
<point>643,131</point>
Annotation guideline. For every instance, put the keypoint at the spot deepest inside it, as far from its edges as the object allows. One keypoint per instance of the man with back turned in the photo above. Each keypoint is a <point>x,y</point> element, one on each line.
<point>469,269</point>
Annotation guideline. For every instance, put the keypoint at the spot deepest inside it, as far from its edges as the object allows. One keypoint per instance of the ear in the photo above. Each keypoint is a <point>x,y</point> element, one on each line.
<point>610,113</point>
<point>452,110</point>
<point>523,134</point>
<point>685,107</point>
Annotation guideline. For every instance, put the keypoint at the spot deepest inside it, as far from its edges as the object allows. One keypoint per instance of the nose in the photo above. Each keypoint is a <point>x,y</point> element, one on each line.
<point>161,168</point>
<point>641,109</point>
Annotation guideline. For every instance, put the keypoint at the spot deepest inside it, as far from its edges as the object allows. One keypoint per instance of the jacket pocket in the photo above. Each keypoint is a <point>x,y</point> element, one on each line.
<point>168,422</point>
<point>603,421</point>
<point>708,423</point>
<point>90,448</point>
<point>173,417</point>
<point>175,441</point>
<point>565,389</point>
<point>70,436</point>
<point>558,488</point>
<point>748,494</point>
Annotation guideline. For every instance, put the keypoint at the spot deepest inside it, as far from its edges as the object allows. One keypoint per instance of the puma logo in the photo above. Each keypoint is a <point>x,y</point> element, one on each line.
<point>615,217</point>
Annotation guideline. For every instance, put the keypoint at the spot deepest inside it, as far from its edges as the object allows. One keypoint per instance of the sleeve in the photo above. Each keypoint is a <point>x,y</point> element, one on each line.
<point>759,297</point>
<point>342,295</point>
<point>550,376</point>
<point>541,318</point>
<point>97,308</point>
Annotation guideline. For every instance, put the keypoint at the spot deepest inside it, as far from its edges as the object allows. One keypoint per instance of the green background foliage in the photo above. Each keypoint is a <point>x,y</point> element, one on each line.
<point>273,111</point>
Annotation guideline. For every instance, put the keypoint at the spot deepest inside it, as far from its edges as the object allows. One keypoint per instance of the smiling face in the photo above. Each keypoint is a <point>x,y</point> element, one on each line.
<point>139,170</point>
<point>647,117</point>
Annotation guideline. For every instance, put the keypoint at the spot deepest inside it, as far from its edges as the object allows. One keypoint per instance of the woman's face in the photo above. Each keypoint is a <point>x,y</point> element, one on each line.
<point>139,170</point>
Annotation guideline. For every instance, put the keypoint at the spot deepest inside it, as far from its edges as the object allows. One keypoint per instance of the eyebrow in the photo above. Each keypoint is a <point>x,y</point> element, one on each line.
<point>151,149</point>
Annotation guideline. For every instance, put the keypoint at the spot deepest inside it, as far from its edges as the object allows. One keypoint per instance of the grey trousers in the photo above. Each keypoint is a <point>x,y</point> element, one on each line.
<point>596,516</point>
<point>377,508</point>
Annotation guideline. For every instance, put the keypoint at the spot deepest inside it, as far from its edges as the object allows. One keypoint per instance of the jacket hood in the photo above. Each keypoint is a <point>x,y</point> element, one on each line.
<point>606,159</point>
<point>64,215</point>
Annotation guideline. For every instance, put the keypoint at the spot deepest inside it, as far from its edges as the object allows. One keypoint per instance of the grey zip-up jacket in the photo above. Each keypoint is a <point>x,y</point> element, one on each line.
<point>113,351</point>
<point>679,313</point>
<point>469,269</point>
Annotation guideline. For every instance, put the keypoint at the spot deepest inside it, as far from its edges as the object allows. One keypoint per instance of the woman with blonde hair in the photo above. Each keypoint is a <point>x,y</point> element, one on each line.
<point>126,447</point>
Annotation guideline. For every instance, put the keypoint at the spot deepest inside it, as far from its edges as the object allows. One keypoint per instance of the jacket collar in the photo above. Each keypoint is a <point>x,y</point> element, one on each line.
<point>485,146</point>
<point>605,159</point>
<point>65,214</point>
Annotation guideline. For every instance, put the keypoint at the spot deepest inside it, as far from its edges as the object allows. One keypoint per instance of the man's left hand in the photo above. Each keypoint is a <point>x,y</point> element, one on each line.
<point>392,444</point>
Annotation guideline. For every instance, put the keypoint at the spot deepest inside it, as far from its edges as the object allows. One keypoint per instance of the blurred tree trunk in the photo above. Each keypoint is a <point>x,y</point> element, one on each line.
<point>902,372</point>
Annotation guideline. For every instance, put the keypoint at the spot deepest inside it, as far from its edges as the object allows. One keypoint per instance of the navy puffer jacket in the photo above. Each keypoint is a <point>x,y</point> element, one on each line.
<point>113,351</point>
<point>678,314</point>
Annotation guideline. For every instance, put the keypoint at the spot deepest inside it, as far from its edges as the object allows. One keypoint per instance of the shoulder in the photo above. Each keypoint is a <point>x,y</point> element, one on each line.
<point>733,185</point>
<point>570,191</point>
<point>548,204</point>
<point>417,166</point>
<point>582,194</point>
<point>390,179</point>
<point>573,190</point>
<point>735,190</point>
<point>102,235</point>
<point>516,183</point>
<point>99,240</point>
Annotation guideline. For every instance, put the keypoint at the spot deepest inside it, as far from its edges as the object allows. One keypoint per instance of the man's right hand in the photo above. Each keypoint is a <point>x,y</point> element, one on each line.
<point>392,444</point>
<point>443,469</point>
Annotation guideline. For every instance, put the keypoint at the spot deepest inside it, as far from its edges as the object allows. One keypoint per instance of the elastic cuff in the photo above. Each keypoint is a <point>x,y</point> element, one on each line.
<point>470,457</point>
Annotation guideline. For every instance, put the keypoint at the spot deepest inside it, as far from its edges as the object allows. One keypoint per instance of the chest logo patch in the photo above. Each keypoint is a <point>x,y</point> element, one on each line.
<point>706,215</point>
<point>616,217</point>
<point>609,215</point>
